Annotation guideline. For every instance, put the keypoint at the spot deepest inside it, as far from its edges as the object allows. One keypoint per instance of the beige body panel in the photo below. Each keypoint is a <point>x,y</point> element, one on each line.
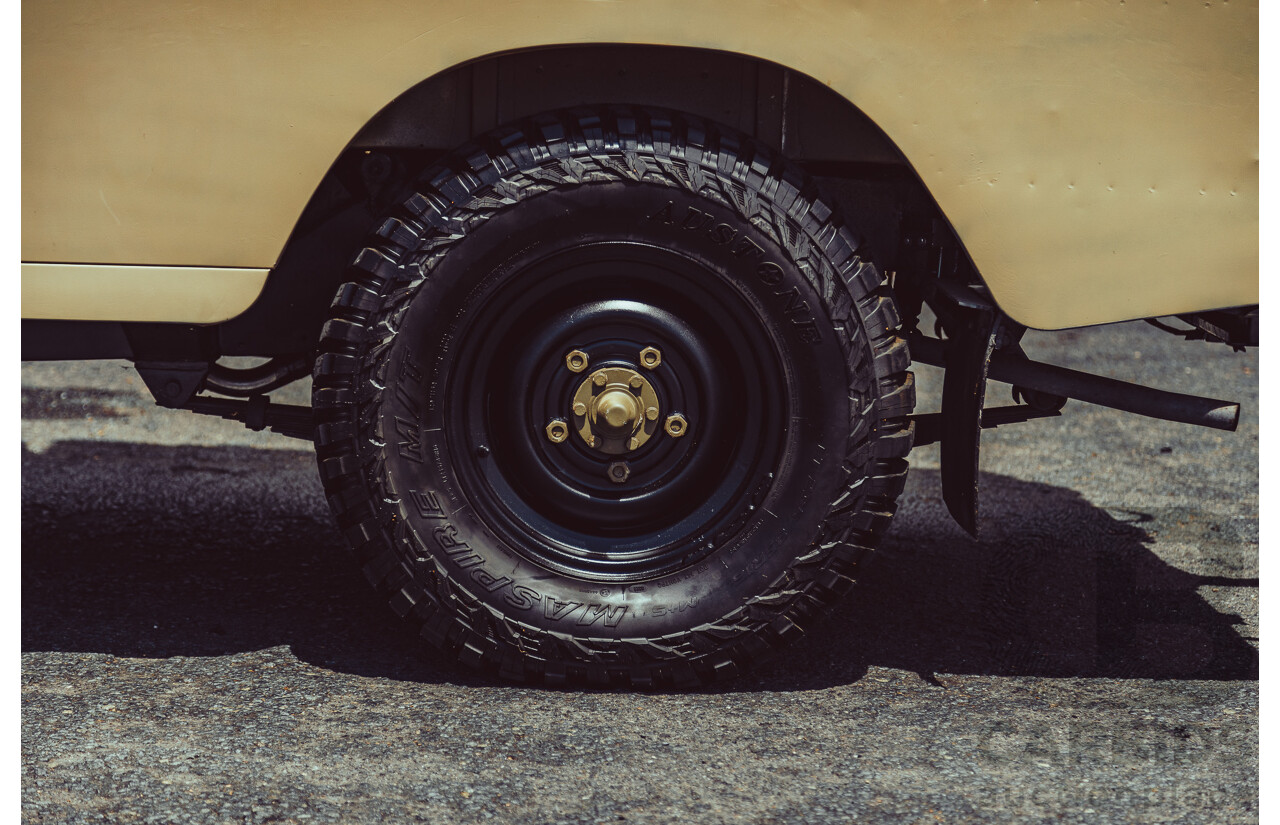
<point>1099,160</point>
<point>188,295</point>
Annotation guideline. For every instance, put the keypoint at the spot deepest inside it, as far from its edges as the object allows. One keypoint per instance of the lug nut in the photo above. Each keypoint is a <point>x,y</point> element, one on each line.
<point>618,472</point>
<point>599,379</point>
<point>557,431</point>
<point>650,358</point>
<point>576,361</point>
<point>636,382</point>
<point>676,426</point>
<point>651,413</point>
<point>579,408</point>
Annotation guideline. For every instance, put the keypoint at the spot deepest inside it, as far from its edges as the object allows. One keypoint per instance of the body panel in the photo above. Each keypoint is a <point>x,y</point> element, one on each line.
<point>188,295</point>
<point>1097,159</point>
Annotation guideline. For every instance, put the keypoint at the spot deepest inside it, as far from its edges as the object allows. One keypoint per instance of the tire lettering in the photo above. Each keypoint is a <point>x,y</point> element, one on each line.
<point>407,401</point>
<point>447,540</point>
<point>554,609</point>
<point>794,304</point>
<point>412,371</point>
<point>809,333</point>
<point>744,247</point>
<point>696,220</point>
<point>755,564</point>
<point>664,214</point>
<point>722,233</point>
<point>487,581</point>
<point>411,443</point>
<point>520,597</point>
<point>523,598</point>
<point>769,273</point>
<point>427,503</point>
<point>593,613</point>
<point>672,610</point>
<point>797,309</point>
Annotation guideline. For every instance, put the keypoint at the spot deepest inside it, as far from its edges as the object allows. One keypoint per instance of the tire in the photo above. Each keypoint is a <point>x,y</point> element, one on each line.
<point>443,371</point>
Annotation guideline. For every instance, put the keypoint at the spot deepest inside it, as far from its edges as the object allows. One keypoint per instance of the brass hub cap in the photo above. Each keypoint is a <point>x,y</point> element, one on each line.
<point>615,410</point>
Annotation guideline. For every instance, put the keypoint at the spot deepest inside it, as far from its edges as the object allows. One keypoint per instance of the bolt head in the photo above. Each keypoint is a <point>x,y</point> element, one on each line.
<point>651,413</point>
<point>599,379</point>
<point>579,408</point>
<point>636,382</point>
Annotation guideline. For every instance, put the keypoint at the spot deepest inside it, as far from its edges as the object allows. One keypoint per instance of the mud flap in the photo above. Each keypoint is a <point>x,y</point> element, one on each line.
<point>972,324</point>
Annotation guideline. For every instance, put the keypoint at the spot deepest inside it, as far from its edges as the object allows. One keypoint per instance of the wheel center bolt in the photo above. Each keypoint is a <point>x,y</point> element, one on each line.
<point>617,410</point>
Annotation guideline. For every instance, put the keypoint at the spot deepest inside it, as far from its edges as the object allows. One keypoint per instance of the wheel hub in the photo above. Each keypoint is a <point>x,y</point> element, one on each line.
<point>619,439</point>
<point>616,410</point>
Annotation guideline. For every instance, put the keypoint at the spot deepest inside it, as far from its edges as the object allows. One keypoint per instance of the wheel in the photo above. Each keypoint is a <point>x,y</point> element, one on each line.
<point>612,398</point>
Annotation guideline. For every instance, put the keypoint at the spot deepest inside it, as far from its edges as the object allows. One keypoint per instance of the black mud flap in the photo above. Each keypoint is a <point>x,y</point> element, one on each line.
<point>972,325</point>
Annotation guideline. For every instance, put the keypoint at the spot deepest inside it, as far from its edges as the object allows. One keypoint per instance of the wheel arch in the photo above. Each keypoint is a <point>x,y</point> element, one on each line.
<point>787,110</point>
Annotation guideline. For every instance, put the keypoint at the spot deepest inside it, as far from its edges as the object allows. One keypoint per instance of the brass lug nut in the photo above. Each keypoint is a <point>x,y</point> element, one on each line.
<point>579,408</point>
<point>576,361</point>
<point>599,379</point>
<point>618,472</point>
<point>651,413</point>
<point>650,358</point>
<point>636,382</point>
<point>557,431</point>
<point>676,425</point>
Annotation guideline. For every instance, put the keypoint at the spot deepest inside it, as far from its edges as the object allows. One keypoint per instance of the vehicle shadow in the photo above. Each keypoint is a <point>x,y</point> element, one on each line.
<point>148,551</point>
<point>1054,587</point>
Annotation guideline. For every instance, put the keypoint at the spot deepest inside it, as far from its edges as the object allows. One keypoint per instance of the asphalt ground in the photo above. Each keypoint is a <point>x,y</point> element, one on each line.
<point>196,647</point>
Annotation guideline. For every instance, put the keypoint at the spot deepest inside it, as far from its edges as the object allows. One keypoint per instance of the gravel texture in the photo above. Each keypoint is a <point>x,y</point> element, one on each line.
<point>197,647</point>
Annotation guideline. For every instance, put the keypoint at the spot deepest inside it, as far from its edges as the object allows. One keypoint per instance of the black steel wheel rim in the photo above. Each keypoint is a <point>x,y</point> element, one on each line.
<point>555,503</point>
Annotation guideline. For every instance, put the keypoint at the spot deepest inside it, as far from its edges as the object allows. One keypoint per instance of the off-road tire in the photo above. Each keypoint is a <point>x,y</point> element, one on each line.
<point>424,512</point>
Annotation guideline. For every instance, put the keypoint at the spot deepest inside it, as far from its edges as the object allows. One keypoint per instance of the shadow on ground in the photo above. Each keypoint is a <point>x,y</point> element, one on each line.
<point>145,551</point>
